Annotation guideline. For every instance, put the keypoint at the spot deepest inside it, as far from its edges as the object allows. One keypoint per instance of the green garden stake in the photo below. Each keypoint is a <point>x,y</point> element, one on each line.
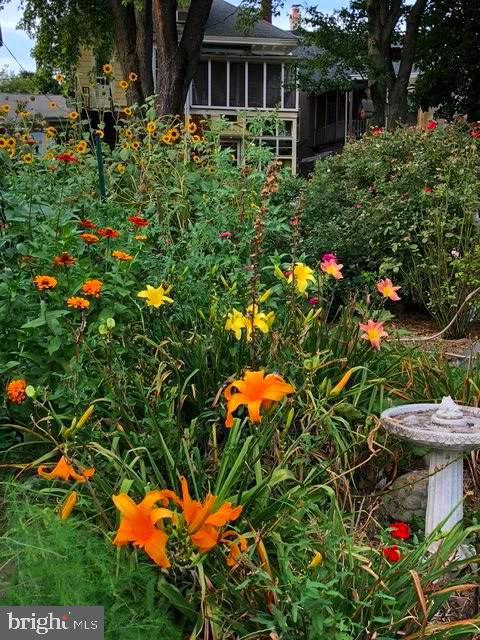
<point>101,173</point>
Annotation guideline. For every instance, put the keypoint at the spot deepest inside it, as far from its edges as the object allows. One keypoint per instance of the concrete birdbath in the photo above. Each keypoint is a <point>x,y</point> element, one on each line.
<point>449,431</point>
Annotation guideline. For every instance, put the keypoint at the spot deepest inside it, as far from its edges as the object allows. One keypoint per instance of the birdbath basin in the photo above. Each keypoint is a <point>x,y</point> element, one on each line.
<point>449,431</point>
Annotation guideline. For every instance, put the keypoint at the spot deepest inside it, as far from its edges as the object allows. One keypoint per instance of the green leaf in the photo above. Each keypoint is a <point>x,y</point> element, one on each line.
<point>54,345</point>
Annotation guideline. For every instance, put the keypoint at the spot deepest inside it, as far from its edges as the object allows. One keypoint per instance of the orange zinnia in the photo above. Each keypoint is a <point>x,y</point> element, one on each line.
<point>121,255</point>
<point>89,238</point>
<point>256,390</point>
<point>386,288</point>
<point>76,302</point>
<point>374,333</point>
<point>45,282</point>
<point>137,525</point>
<point>92,288</point>
<point>65,471</point>
<point>16,393</point>
<point>64,260</point>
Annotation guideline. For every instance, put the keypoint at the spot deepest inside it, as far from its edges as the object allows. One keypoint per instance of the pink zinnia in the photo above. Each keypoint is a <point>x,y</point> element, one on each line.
<point>225,235</point>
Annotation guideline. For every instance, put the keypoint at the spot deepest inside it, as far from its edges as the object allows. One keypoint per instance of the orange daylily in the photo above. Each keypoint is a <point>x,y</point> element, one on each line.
<point>237,545</point>
<point>65,471</point>
<point>331,267</point>
<point>256,390</point>
<point>138,525</point>
<point>386,288</point>
<point>203,522</point>
<point>374,333</point>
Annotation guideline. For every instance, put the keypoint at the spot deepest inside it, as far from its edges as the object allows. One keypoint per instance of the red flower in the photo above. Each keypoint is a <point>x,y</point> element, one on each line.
<point>64,260</point>
<point>329,257</point>
<point>138,221</point>
<point>475,134</point>
<point>377,131</point>
<point>428,190</point>
<point>67,158</point>
<point>295,221</point>
<point>108,232</point>
<point>87,224</point>
<point>225,235</point>
<point>400,530</point>
<point>313,301</point>
<point>431,125</point>
<point>392,554</point>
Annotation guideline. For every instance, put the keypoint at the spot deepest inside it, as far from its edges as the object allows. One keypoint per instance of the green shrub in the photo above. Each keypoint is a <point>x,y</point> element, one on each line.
<point>400,204</point>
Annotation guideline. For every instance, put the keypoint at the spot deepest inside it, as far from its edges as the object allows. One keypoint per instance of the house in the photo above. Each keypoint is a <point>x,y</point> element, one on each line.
<point>241,75</point>
<point>44,111</point>
<point>238,75</point>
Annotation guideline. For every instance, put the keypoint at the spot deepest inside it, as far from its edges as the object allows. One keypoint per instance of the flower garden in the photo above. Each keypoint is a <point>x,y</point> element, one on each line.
<point>194,367</point>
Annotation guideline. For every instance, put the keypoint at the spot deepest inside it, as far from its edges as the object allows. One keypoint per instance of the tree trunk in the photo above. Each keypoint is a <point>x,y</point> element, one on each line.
<point>134,46</point>
<point>385,86</point>
<point>177,61</point>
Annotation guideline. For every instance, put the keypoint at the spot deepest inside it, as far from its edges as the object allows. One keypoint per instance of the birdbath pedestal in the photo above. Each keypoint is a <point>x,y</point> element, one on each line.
<point>449,431</point>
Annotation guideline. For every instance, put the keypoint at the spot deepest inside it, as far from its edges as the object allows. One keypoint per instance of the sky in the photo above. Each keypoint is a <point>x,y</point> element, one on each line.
<point>20,44</point>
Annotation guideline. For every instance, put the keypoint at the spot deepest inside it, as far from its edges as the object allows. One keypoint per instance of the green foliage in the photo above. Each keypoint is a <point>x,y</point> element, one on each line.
<point>449,79</point>
<point>398,204</point>
<point>47,561</point>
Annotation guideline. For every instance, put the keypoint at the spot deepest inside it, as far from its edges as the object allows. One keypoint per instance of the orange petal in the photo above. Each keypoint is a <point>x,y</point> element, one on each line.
<point>205,539</point>
<point>225,514</point>
<point>125,505</point>
<point>254,411</point>
<point>156,548</point>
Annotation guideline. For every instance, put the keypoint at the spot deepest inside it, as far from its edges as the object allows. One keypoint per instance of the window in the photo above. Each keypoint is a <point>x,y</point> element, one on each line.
<point>255,84</point>
<point>219,83</point>
<point>200,84</point>
<point>237,84</point>
<point>260,85</point>
<point>289,87</point>
<point>274,85</point>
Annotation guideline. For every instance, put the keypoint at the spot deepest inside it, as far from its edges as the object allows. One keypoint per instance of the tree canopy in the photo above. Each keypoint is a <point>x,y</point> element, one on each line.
<point>448,59</point>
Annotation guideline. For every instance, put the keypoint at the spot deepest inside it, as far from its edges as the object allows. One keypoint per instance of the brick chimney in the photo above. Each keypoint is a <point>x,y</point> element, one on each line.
<point>295,17</point>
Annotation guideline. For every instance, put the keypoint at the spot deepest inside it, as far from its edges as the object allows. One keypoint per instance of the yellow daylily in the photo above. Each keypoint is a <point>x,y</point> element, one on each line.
<point>257,319</point>
<point>301,276</point>
<point>155,296</point>
<point>236,322</point>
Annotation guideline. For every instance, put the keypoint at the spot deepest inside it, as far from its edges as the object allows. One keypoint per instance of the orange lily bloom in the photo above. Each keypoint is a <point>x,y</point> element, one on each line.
<point>374,333</point>
<point>256,390</point>
<point>137,525</point>
<point>237,546</point>
<point>64,471</point>
<point>203,522</point>
<point>386,288</point>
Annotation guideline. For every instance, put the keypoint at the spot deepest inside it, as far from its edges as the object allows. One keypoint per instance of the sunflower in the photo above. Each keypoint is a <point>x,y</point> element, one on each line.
<point>133,77</point>
<point>107,69</point>
<point>123,84</point>
<point>5,108</point>
<point>120,168</point>
<point>167,138</point>
<point>60,78</point>
<point>73,116</point>
<point>100,133</point>
<point>11,153</point>
<point>197,138</point>
<point>135,145</point>
<point>174,134</point>
<point>11,142</point>
<point>151,127</point>
<point>52,105</point>
<point>27,158</point>
<point>128,111</point>
<point>128,133</point>
<point>82,147</point>
<point>3,143</point>
<point>50,132</point>
<point>191,127</point>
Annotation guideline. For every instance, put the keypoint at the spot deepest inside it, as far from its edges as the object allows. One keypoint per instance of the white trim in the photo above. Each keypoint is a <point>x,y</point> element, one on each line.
<point>265,42</point>
<point>264,105</point>
<point>282,90</point>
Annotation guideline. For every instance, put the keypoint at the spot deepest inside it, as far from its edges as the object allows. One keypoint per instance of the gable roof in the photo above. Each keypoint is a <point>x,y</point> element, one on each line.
<point>222,22</point>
